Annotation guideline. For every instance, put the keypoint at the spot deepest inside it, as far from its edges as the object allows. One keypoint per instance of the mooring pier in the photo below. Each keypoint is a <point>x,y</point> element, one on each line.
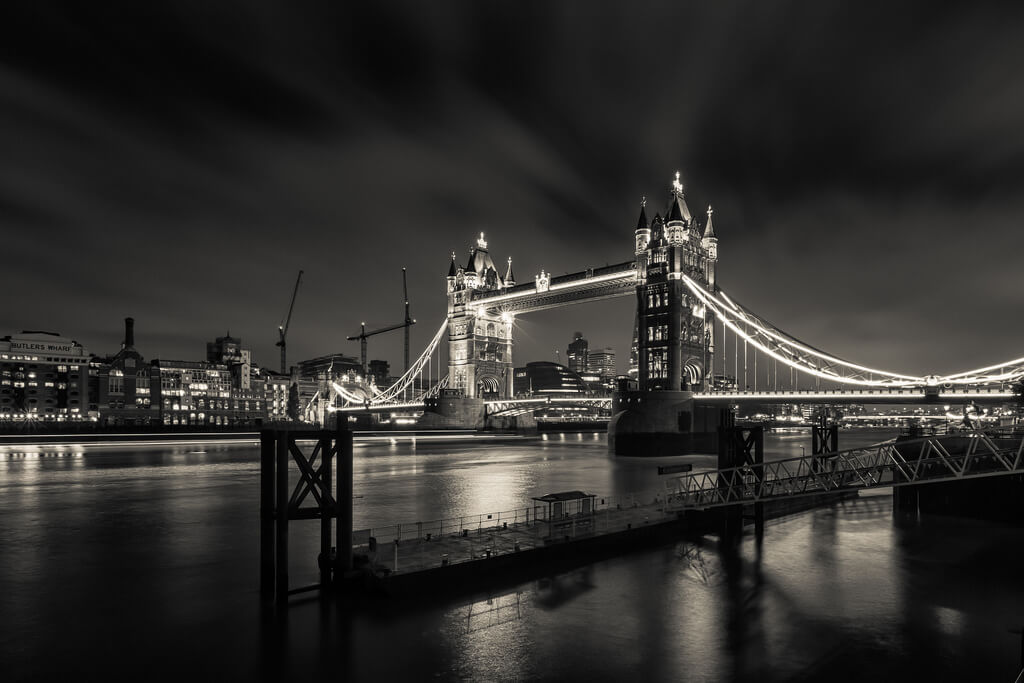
<point>575,526</point>
<point>297,468</point>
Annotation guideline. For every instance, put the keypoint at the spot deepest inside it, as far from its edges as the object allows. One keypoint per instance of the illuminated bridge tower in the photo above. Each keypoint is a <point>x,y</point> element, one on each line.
<point>674,335</point>
<point>479,341</point>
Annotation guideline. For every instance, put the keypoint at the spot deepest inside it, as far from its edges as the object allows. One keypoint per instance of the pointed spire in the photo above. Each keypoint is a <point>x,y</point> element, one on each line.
<point>709,229</point>
<point>677,210</point>
<point>510,279</point>
<point>642,223</point>
<point>451,268</point>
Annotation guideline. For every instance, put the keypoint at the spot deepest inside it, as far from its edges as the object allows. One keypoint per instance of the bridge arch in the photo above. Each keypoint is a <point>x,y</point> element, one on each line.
<point>488,386</point>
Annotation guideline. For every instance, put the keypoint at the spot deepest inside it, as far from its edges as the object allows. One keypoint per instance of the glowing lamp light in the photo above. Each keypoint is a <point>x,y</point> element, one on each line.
<point>677,186</point>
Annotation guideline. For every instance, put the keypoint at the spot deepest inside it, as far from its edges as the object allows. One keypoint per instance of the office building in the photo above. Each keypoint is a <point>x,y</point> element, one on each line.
<point>544,378</point>
<point>576,354</point>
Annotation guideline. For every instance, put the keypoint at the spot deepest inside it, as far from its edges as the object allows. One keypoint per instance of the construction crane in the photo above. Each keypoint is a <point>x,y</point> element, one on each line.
<point>282,330</point>
<point>408,321</point>
<point>363,334</point>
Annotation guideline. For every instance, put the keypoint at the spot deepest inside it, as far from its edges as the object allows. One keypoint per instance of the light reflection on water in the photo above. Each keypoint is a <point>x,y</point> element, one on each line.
<point>142,554</point>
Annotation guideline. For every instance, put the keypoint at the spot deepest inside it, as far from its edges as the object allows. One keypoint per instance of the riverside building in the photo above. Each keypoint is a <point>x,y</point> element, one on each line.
<point>43,376</point>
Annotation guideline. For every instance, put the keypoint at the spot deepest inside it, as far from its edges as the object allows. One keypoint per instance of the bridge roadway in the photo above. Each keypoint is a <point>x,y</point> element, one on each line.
<point>859,396</point>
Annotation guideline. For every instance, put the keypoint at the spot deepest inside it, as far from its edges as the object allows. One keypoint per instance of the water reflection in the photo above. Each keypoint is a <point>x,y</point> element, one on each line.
<point>158,546</point>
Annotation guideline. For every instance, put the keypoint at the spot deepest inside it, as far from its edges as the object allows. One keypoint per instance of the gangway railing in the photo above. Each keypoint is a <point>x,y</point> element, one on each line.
<point>891,463</point>
<point>411,546</point>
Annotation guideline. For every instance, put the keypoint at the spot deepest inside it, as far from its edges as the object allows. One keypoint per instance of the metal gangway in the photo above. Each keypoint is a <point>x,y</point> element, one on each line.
<point>951,457</point>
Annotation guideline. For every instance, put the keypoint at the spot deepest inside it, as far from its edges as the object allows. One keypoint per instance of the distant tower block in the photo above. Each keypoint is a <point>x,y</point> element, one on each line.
<point>479,342</point>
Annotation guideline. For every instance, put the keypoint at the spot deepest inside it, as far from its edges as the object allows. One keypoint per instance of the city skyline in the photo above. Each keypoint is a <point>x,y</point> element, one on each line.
<point>533,340</point>
<point>184,179</point>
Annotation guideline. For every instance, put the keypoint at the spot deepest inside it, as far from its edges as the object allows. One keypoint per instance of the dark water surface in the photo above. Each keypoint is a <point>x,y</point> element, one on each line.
<point>140,563</point>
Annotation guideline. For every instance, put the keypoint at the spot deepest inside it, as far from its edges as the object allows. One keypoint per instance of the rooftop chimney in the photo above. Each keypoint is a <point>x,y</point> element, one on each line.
<point>129,332</point>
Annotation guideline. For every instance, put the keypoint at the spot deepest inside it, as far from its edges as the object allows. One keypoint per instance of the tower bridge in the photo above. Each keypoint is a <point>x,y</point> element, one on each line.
<point>684,320</point>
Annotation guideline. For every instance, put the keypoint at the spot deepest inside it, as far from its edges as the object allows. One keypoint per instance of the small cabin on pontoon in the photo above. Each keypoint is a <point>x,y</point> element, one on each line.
<point>558,505</point>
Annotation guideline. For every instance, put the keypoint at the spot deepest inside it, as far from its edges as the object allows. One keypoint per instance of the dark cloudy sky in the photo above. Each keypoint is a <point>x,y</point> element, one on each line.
<point>180,164</point>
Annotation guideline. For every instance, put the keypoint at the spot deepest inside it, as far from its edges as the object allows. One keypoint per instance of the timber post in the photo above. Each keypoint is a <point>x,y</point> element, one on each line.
<point>281,517</point>
<point>343,440</point>
<point>267,513</point>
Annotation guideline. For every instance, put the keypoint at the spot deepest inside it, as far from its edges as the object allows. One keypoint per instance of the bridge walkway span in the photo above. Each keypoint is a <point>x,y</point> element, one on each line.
<point>927,460</point>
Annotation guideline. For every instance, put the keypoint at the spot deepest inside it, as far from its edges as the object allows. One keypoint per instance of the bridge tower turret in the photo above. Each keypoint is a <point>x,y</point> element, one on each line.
<point>643,229</point>
<point>678,221</point>
<point>479,340</point>
<point>710,244</point>
<point>453,271</point>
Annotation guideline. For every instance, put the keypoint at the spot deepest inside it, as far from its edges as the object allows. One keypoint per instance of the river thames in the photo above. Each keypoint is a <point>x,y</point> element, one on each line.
<point>141,562</point>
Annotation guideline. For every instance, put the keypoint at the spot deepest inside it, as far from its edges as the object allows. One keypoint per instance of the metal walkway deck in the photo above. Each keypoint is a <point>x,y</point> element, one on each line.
<point>892,463</point>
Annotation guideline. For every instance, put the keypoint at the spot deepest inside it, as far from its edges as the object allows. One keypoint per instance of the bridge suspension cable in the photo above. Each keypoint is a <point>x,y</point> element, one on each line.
<point>415,370</point>
<point>802,357</point>
<point>435,390</point>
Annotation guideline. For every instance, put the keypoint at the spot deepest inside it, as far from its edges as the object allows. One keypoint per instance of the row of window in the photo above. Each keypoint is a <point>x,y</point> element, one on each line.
<point>7,387</point>
<point>20,371</point>
<point>36,359</point>
<point>657,364</point>
<point>657,332</point>
<point>199,419</point>
<point>200,404</point>
<point>657,299</point>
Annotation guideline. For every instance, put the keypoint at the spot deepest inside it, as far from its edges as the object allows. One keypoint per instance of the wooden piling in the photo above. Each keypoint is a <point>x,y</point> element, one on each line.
<point>327,510</point>
<point>282,518</point>
<point>343,440</point>
<point>267,512</point>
